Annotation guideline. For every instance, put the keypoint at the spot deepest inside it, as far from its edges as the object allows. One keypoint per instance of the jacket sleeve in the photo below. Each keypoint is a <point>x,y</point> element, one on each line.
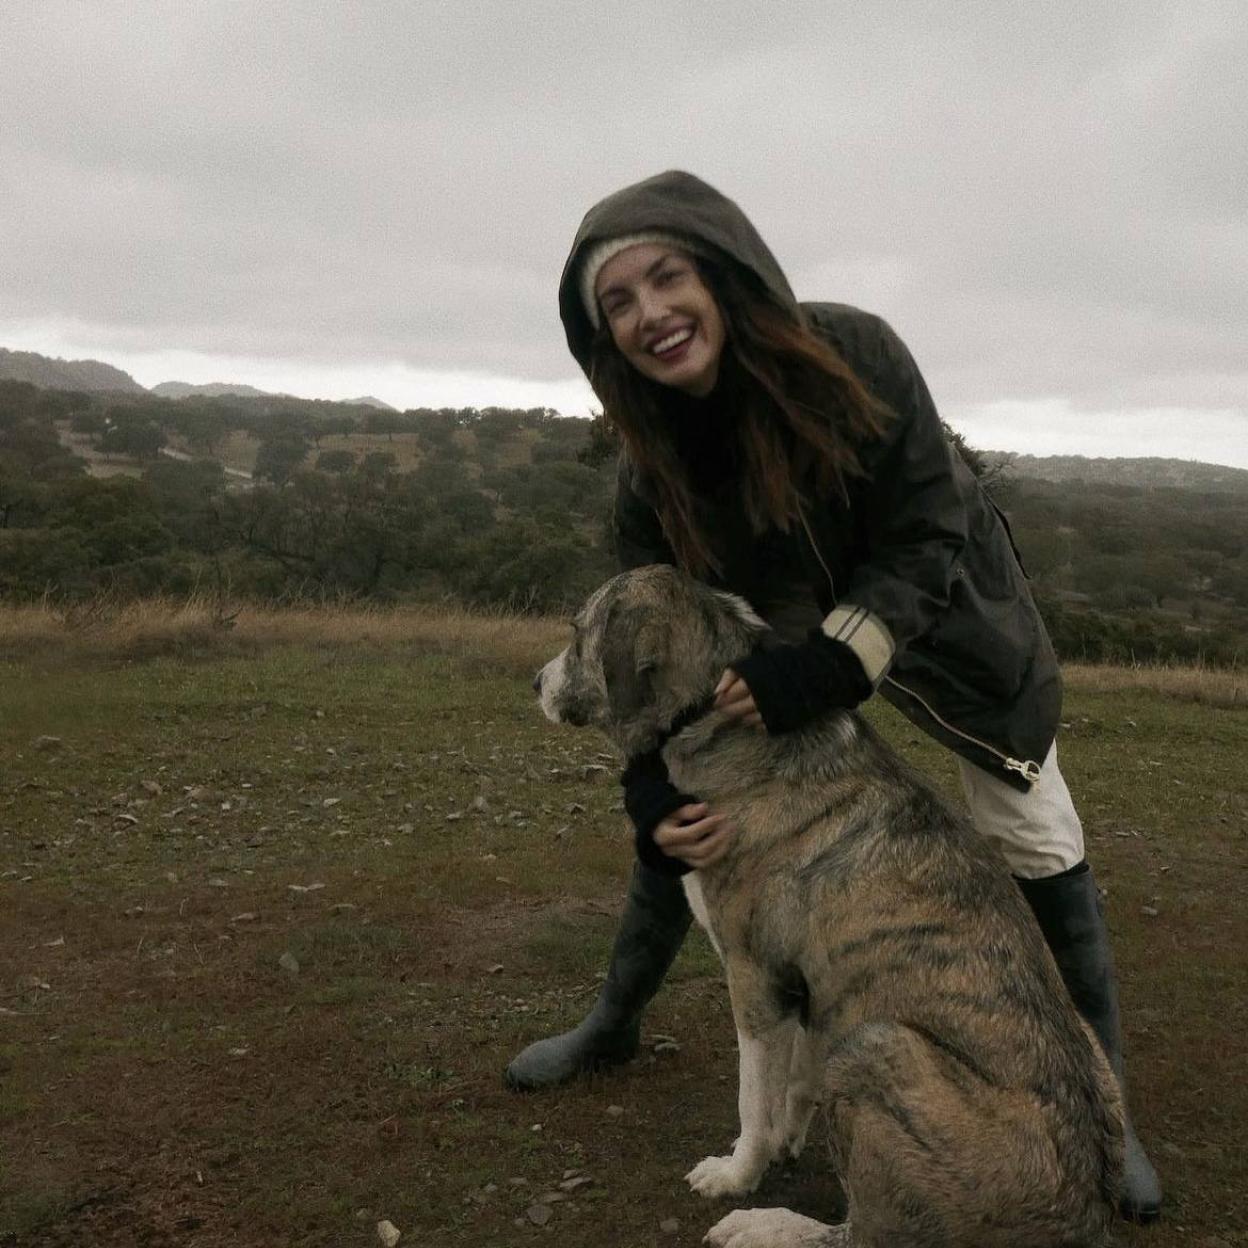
<point>914,518</point>
<point>636,531</point>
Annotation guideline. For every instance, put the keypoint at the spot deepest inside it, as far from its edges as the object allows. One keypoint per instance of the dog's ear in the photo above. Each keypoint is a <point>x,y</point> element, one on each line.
<point>631,653</point>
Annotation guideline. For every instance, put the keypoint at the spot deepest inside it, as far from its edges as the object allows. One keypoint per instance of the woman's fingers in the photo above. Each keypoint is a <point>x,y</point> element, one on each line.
<point>734,699</point>
<point>694,839</point>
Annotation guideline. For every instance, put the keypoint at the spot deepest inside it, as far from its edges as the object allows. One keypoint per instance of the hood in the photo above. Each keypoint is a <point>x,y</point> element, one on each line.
<point>677,203</point>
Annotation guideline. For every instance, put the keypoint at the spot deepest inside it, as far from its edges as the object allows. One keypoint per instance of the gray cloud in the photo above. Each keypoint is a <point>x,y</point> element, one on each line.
<point>1049,202</point>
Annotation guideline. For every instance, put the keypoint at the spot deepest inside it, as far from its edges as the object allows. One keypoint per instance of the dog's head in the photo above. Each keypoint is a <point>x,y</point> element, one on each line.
<point>645,645</point>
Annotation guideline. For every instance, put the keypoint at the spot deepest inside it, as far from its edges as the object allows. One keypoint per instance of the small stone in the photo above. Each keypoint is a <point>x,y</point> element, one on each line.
<point>518,1182</point>
<point>552,1198</point>
<point>1151,911</point>
<point>575,1183</point>
<point>539,1215</point>
<point>217,882</point>
<point>667,1046</point>
<point>152,787</point>
<point>248,916</point>
<point>46,743</point>
<point>614,1111</point>
<point>388,1233</point>
<point>669,1226</point>
<point>289,963</point>
<point>494,970</point>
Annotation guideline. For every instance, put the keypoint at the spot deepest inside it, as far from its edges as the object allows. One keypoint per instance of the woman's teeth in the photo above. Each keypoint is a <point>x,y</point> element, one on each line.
<point>671,341</point>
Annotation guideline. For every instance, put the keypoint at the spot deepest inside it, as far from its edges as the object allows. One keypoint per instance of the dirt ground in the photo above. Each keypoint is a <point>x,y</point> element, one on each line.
<point>272,924</point>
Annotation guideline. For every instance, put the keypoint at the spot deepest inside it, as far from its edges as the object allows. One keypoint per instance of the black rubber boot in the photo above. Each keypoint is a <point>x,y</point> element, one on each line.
<point>652,929</point>
<point>1068,909</point>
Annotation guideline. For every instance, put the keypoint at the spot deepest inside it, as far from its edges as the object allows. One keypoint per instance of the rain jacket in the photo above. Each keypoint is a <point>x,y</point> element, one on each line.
<point>915,571</point>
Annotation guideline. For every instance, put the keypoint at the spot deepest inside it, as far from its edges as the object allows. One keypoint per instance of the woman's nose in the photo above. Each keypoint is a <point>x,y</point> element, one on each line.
<point>652,307</point>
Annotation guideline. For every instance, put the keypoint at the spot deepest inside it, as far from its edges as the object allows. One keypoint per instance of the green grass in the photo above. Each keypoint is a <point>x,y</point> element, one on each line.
<point>445,868</point>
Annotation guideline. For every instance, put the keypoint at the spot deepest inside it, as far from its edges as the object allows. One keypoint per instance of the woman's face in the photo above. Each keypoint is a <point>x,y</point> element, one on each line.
<point>662,317</point>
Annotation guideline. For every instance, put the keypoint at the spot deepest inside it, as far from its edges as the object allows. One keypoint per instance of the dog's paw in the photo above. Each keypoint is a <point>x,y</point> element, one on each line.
<point>713,1177</point>
<point>767,1228</point>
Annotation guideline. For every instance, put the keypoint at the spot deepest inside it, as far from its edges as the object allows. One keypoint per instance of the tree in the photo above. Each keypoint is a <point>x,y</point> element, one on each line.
<point>335,462</point>
<point>278,457</point>
<point>603,443</point>
<point>389,423</point>
<point>130,433</point>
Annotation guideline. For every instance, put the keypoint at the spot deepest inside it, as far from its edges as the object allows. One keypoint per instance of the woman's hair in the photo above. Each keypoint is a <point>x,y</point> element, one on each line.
<point>795,407</point>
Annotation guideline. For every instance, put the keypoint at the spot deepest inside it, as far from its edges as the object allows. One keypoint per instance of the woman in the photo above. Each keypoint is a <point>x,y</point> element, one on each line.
<point>791,453</point>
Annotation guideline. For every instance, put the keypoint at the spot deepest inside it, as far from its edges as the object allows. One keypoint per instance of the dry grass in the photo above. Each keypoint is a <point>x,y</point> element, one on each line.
<point>203,625</point>
<point>1210,686</point>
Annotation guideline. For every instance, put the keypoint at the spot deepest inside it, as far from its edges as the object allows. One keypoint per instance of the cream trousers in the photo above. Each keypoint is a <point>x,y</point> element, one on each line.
<point>1038,833</point>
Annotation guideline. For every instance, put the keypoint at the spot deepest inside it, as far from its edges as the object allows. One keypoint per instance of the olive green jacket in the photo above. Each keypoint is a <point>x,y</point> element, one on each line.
<point>914,569</point>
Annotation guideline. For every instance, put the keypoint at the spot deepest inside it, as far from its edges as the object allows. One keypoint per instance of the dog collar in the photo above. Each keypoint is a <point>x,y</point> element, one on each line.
<point>690,714</point>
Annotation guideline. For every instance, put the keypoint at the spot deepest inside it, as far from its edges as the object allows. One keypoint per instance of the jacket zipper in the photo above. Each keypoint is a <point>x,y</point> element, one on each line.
<point>1025,767</point>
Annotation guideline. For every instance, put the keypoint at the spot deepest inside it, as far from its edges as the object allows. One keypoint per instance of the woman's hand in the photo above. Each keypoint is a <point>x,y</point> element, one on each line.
<point>733,697</point>
<point>694,836</point>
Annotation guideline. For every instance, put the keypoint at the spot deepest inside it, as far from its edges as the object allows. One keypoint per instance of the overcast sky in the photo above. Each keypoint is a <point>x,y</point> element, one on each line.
<point>1048,201</point>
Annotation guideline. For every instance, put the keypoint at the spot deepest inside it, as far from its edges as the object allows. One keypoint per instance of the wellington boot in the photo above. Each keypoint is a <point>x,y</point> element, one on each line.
<point>651,931</point>
<point>1068,909</point>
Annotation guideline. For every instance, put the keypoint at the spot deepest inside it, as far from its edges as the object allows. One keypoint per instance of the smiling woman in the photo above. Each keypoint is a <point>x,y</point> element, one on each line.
<point>790,453</point>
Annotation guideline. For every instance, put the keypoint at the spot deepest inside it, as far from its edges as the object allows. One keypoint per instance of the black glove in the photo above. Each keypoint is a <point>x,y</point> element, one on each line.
<point>649,797</point>
<point>793,684</point>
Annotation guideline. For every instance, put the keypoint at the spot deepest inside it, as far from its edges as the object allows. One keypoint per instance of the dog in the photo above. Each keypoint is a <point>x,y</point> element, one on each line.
<point>881,963</point>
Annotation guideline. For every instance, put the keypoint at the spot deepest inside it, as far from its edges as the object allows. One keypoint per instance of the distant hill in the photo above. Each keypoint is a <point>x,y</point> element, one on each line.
<point>56,374</point>
<point>211,390</point>
<point>369,401</point>
<point>1181,474</point>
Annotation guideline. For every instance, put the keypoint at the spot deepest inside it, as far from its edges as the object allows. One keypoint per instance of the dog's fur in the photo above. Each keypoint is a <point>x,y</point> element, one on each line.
<point>881,962</point>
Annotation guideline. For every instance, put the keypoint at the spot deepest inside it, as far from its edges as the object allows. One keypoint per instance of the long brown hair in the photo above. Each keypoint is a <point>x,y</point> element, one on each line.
<point>797,410</point>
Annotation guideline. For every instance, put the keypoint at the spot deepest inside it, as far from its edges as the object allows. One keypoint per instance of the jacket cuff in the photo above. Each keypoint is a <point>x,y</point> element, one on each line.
<point>793,684</point>
<point>866,635</point>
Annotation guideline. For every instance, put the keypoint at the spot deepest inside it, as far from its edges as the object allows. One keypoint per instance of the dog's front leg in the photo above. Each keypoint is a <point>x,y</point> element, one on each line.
<point>765,1043</point>
<point>805,1087</point>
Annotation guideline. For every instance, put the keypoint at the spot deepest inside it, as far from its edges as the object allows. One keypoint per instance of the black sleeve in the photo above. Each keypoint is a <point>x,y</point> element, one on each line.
<point>649,797</point>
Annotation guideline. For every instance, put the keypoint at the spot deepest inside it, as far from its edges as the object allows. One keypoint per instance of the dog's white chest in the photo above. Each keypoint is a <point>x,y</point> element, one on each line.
<point>697,903</point>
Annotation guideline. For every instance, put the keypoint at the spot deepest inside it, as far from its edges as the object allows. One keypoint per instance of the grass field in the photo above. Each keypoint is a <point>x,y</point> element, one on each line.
<point>280,895</point>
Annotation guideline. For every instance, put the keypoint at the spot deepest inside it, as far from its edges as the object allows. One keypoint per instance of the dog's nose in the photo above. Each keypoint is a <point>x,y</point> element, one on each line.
<point>537,682</point>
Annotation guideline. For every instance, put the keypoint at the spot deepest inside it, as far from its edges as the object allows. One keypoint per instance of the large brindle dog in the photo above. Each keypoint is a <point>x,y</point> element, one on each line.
<point>882,964</point>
